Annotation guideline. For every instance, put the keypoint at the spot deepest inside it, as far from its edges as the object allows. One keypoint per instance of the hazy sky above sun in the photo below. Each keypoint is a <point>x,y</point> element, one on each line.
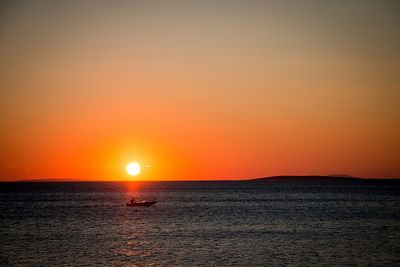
<point>199,89</point>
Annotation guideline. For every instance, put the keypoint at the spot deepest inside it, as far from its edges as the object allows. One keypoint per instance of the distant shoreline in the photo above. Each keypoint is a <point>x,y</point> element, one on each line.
<point>281,178</point>
<point>312,178</point>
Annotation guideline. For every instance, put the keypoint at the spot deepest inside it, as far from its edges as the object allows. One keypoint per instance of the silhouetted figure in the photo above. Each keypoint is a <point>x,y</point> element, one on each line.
<point>133,201</point>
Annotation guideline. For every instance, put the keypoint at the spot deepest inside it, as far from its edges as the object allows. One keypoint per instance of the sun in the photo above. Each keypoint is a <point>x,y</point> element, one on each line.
<point>133,168</point>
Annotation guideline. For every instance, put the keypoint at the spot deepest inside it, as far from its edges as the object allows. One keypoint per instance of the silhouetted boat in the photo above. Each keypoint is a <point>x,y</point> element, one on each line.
<point>141,204</point>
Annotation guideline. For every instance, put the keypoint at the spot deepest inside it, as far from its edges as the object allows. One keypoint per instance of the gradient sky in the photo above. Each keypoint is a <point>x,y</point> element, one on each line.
<point>199,89</point>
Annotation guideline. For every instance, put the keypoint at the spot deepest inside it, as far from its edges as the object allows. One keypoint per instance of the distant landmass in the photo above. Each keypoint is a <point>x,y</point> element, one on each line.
<point>50,180</point>
<point>340,177</point>
<point>320,178</point>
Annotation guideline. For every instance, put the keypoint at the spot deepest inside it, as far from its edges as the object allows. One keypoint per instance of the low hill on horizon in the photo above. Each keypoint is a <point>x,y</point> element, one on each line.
<point>309,178</point>
<point>321,179</point>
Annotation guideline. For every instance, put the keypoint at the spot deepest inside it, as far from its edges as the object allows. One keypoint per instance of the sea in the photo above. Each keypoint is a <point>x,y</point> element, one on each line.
<point>203,223</point>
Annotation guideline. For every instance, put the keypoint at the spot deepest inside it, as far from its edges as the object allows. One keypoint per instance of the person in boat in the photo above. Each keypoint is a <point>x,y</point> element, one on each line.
<point>133,201</point>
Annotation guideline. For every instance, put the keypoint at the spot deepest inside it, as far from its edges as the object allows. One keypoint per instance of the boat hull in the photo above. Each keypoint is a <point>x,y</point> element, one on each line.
<point>141,204</point>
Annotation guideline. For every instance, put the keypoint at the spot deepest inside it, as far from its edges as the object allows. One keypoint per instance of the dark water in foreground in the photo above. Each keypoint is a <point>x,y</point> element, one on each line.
<point>200,223</point>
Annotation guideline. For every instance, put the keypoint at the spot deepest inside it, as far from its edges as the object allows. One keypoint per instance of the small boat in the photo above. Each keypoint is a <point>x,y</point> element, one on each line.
<point>141,204</point>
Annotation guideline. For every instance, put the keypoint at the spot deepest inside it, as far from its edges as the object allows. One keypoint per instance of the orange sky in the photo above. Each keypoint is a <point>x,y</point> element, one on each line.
<point>199,90</point>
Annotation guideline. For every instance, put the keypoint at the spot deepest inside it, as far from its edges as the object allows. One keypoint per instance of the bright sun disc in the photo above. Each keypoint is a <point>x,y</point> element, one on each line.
<point>133,168</point>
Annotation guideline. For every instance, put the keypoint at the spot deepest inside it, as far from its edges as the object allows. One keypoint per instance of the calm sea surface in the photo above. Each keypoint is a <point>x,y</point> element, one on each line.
<point>200,223</point>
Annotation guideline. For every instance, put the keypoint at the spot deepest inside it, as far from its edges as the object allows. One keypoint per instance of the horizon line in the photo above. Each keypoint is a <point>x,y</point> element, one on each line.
<point>339,177</point>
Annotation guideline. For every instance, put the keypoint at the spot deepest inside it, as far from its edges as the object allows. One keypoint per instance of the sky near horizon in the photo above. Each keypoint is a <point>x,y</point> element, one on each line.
<point>199,89</point>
